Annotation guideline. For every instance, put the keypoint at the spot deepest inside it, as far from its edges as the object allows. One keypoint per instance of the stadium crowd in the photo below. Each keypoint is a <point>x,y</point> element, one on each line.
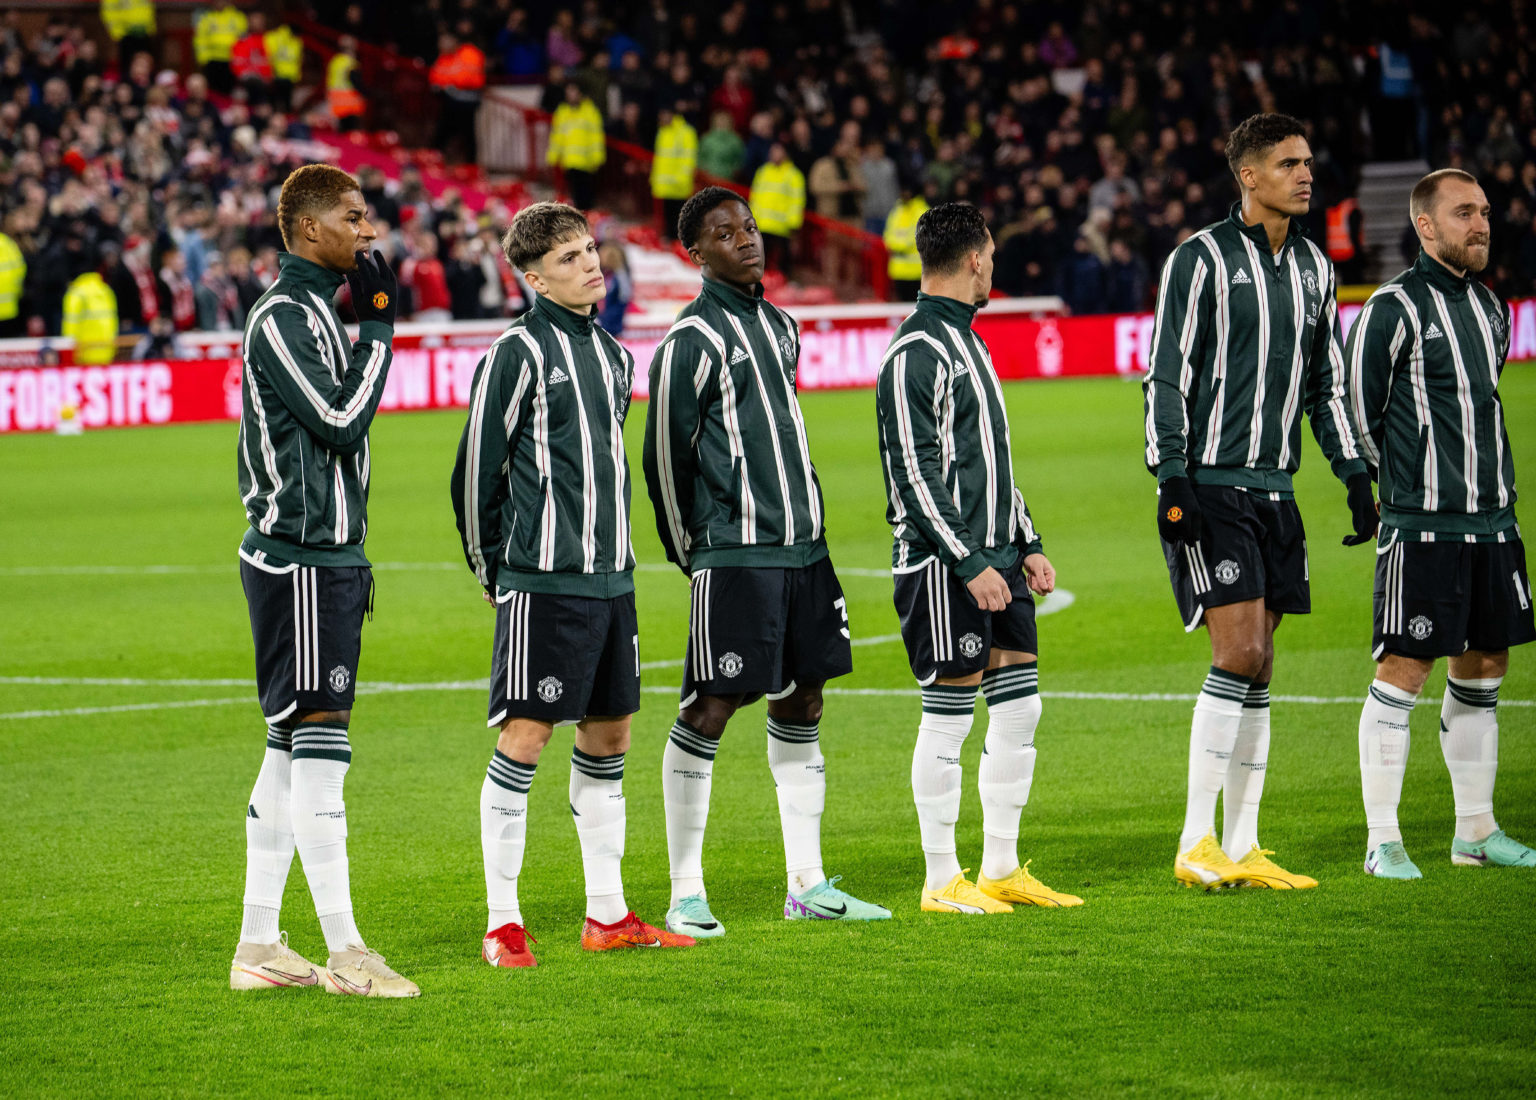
<point>1090,133</point>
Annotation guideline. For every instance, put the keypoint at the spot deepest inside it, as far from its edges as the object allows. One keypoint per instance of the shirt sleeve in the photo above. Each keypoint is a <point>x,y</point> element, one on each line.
<point>1025,536</point>
<point>500,396</point>
<point>1184,299</point>
<point>1379,342</point>
<point>679,373</point>
<point>909,398</point>
<point>290,356</point>
<point>1325,392</point>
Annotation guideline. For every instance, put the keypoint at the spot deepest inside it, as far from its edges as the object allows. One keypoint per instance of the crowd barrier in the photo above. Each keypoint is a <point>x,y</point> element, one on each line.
<point>841,348</point>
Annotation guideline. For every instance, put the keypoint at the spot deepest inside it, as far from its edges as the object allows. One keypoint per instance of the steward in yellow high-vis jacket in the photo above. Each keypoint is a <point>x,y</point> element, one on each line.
<point>904,266</point>
<point>576,144</point>
<point>778,203</point>
<point>213,43</point>
<point>90,318</point>
<point>672,170</point>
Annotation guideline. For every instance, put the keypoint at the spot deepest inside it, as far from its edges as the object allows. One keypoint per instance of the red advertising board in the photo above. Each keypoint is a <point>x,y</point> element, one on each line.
<point>841,347</point>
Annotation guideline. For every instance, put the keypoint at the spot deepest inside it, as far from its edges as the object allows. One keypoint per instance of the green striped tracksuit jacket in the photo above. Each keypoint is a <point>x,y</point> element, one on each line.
<point>727,463</point>
<point>1424,360</point>
<point>1241,345</point>
<point>944,447</point>
<point>307,398</point>
<point>541,485</point>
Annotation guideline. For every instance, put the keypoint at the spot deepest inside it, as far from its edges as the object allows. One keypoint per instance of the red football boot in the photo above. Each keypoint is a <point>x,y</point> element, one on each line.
<point>508,946</point>
<point>628,932</point>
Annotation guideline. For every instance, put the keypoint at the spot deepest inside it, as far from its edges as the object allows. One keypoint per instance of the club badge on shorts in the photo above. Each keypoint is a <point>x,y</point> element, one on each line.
<point>730,665</point>
<point>970,644</point>
<point>339,678</point>
<point>1228,571</point>
<point>1420,627</point>
<point>550,689</point>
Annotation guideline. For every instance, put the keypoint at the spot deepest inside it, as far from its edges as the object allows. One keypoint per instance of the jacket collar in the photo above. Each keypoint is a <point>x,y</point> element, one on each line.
<point>566,320</point>
<point>732,300</point>
<point>1438,275</point>
<point>1257,233</point>
<point>948,309</point>
<point>308,274</point>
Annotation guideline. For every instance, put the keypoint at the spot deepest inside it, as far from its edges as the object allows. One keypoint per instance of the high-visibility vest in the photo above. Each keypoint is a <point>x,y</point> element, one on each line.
<point>1341,246</point>
<point>576,137</point>
<point>125,17</point>
<point>778,198</point>
<point>286,52</point>
<point>464,68</point>
<point>345,101</point>
<point>249,59</point>
<point>214,37</point>
<point>13,273</point>
<point>90,318</point>
<point>677,157</point>
<point>901,239</point>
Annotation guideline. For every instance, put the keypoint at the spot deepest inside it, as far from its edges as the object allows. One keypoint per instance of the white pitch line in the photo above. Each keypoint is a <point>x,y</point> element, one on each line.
<point>122,708</point>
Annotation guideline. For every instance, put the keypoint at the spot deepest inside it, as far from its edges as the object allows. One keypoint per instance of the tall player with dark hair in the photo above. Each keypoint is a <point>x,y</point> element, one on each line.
<point>966,559</point>
<point>1425,357</point>
<point>308,396</point>
<point>740,511</point>
<point>1246,338</point>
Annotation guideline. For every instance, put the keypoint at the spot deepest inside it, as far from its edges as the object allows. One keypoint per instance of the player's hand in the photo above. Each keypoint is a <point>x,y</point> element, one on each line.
<point>1178,511</point>
<point>1040,574</point>
<point>1364,512</point>
<point>989,590</point>
<point>374,289</point>
<point>488,598</point>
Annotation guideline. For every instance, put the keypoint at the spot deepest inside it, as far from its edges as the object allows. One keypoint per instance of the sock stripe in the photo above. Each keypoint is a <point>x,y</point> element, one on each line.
<point>691,741</point>
<point>1390,700</point>
<point>514,775</point>
<point>949,699</point>
<point>1258,696</point>
<point>1486,698</point>
<point>795,733</point>
<point>323,741</point>
<point>1004,685</point>
<point>279,739</point>
<point>1221,684</point>
<point>598,767</point>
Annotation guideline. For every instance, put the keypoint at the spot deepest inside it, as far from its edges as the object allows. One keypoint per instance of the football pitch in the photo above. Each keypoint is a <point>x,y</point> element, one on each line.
<point>130,737</point>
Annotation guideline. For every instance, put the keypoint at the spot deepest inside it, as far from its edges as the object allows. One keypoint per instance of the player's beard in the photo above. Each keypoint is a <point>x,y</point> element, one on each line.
<point>1461,254</point>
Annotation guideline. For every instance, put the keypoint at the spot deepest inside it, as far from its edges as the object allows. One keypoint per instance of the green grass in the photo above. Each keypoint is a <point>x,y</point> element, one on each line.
<point>120,891</point>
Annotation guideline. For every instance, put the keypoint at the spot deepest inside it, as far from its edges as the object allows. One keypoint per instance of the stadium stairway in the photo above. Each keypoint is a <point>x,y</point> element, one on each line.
<point>1383,198</point>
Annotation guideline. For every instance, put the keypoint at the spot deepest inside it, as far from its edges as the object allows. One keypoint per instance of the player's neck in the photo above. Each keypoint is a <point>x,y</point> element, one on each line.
<point>962,289</point>
<point>1277,225</point>
<point>1434,254</point>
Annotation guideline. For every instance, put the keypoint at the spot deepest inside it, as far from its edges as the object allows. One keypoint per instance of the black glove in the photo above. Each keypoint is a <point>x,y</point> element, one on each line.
<point>1362,509</point>
<point>1178,511</point>
<point>374,289</point>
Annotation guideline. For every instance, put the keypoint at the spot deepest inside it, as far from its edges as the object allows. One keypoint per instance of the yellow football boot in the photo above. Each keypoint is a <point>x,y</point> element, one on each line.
<point>1207,866</point>
<point>962,896</point>
<point>1260,872</point>
<point>1024,888</point>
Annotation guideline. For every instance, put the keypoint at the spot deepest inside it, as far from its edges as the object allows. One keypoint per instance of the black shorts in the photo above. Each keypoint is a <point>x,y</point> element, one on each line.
<point>564,658</point>
<point>756,632</point>
<point>1440,599</point>
<point>944,631</point>
<point>1251,547</point>
<point>307,623</point>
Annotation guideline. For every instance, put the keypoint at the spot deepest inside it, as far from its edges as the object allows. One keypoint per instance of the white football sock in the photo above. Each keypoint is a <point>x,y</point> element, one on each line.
<point>800,779</point>
<point>1007,762</point>
<point>504,835</point>
<point>321,756</point>
<point>1218,711</point>
<point>1244,785</point>
<point>597,804</point>
<point>687,773</point>
<point>1384,741</point>
<point>268,840</point>
<point>1469,739</point>
<point>947,713</point>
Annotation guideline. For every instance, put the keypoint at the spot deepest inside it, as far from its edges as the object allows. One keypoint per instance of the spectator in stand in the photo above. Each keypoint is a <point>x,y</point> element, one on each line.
<point>721,150</point>
<point>735,97</point>
<point>249,63</point>
<point>560,44</point>
<point>458,76</point>
<point>1080,279</point>
<point>620,291</point>
<point>142,303</point>
<point>673,166</point>
<point>131,25</point>
<point>520,53</point>
<point>116,274</point>
<point>1126,280</point>
<point>759,142</point>
<point>343,91</point>
<point>576,145</point>
<point>882,189</point>
<point>777,202</point>
<point>464,279</point>
<point>836,181</point>
<point>217,298</point>
<point>903,265</point>
<point>248,287</point>
<point>215,32</point>
<point>286,52</point>
<point>427,280</point>
<point>177,296</point>
<point>1056,49</point>
<point>160,344</point>
<point>90,317</point>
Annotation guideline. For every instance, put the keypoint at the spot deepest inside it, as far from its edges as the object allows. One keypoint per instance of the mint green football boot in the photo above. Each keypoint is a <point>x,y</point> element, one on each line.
<point>1389,859</point>
<point>1498,850</point>
<point>691,917</point>
<point>825,901</point>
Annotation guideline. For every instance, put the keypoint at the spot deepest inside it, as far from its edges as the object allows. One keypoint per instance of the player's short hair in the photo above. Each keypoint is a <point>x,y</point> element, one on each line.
<point>538,229</point>
<point>947,234</point>
<point>1258,134</point>
<point>690,219</point>
<point>312,189</point>
<point>1426,193</point>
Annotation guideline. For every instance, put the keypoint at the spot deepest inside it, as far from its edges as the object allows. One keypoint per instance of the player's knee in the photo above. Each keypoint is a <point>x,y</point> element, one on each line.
<point>1408,674</point>
<point>804,707</point>
<point>709,714</point>
<point>1245,659</point>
